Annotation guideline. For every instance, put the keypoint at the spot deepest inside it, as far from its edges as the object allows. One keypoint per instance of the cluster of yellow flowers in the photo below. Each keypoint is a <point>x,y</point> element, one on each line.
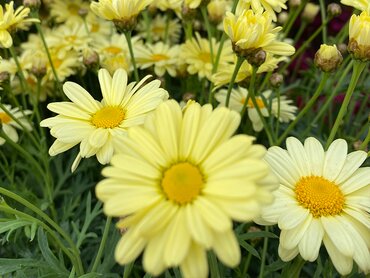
<point>178,176</point>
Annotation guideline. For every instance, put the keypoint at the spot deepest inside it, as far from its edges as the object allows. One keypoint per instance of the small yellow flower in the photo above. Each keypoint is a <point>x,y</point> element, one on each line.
<point>122,12</point>
<point>270,6</point>
<point>251,31</point>
<point>328,58</point>
<point>11,20</point>
<point>99,126</point>
<point>359,36</point>
<point>179,186</point>
<point>160,55</point>
<point>9,125</point>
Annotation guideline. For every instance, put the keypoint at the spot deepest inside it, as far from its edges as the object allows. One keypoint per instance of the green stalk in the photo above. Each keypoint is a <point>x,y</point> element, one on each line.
<point>278,113</point>
<point>305,109</point>
<point>203,10</point>
<point>44,216</point>
<point>292,17</point>
<point>213,265</point>
<point>264,252</point>
<point>238,64</point>
<point>251,93</point>
<point>129,43</point>
<point>323,19</point>
<point>364,144</point>
<point>102,244</point>
<point>21,76</point>
<point>358,67</point>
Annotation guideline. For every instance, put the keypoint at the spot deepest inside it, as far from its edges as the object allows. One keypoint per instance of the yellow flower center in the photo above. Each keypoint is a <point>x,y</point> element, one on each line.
<point>73,8</point>
<point>182,183</point>
<point>259,101</point>
<point>321,196</point>
<point>71,38</point>
<point>95,27</point>
<point>205,57</point>
<point>4,118</point>
<point>113,49</point>
<point>159,57</point>
<point>108,117</point>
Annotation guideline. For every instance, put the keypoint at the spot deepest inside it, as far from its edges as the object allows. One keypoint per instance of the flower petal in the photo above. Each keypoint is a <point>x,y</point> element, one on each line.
<point>80,97</point>
<point>335,157</point>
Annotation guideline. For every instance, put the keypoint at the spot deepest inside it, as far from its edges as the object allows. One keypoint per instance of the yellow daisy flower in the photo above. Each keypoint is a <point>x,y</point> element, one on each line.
<point>11,20</point>
<point>359,38</point>
<point>240,95</point>
<point>160,55</point>
<point>197,54</point>
<point>251,31</point>
<point>323,197</point>
<point>122,12</point>
<point>362,5</point>
<point>178,182</point>
<point>68,10</point>
<point>8,125</point>
<point>99,126</point>
<point>272,7</point>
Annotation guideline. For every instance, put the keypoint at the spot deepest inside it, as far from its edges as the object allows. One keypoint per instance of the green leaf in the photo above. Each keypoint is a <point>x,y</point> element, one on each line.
<point>47,254</point>
<point>11,265</point>
<point>91,275</point>
<point>249,248</point>
<point>253,235</point>
<point>12,224</point>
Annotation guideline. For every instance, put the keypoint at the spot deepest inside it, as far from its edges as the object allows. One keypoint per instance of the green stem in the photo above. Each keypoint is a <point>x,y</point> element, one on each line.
<point>44,216</point>
<point>129,43</point>
<point>298,35</point>
<point>364,144</point>
<point>358,67</point>
<point>188,30</point>
<point>213,265</point>
<point>203,10</point>
<point>246,265</point>
<point>102,244</point>
<point>293,270</point>
<point>47,228</point>
<point>292,17</point>
<point>251,93</point>
<point>278,113</point>
<point>238,64</point>
<point>21,76</point>
<point>148,22</point>
<point>305,109</point>
<point>264,252</point>
<point>41,33</point>
<point>323,19</point>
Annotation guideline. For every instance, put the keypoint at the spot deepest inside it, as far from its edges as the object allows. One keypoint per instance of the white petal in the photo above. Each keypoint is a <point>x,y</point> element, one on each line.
<point>315,155</point>
<point>343,264</point>
<point>298,155</point>
<point>287,254</point>
<point>129,247</point>
<point>80,96</point>
<point>335,157</point>
<point>290,239</point>
<point>359,179</point>
<point>195,263</point>
<point>293,217</point>
<point>309,246</point>
<point>227,248</point>
<point>353,162</point>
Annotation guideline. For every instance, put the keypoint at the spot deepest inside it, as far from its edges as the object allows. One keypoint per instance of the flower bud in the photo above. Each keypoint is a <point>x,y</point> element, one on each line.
<point>83,12</point>
<point>276,80</point>
<point>257,58</point>
<point>359,43</point>
<point>283,17</point>
<point>342,47</point>
<point>310,12</point>
<point>90,58</point>
<point>328,58</point>
<point>334,10</point>
<point>123,26</point>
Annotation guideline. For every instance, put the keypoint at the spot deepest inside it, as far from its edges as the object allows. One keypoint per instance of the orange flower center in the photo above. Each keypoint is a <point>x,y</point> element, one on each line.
<point>182,183</point>
<point>321,196</point>
<point>159,57</point>
<point>4,118</point>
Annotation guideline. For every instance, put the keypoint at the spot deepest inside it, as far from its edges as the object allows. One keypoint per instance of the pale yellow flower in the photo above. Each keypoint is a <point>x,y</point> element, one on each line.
<point>310,11</point>
<point>217,9</point>
<point>9,125</point>
<point>11,20</point>
<point>196,53</point>
<point>251,31</point>
<point>164,5</point>
<point>284,113</point>
<point>324,197</point>
<point>98,126</point>
<point>359,36</point>
<point>68,10</point>
<point>160,55</point>
<point>362,5</point>
<point>272,7</point>
<point>178,182</point>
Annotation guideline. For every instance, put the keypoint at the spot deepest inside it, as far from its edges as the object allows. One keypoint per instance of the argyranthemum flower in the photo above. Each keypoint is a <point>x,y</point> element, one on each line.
<point>160,55</point>
<point>359,39</point>
<point>9,125</point>
<point>178,182</point>
<point>323,197</point>
<point>362,5</point>
<point>238,97</point>
<point>251,31</point>
<point>270,6</point>
<point>99,126</point>
<point>68,10</point>
<point>196,53</point>
<point>122,12</point>
<point>11,20</point>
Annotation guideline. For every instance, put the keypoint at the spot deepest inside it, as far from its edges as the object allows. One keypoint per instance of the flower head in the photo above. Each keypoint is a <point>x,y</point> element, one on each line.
<point>11,20</point>
<point>251,32</point>
<point>359,39</point>
<point>9,125</point>
<point>362,5</point>
<point>270,6</point>
<point>323,197</point>
<point>178,182</point>
<point>98,126</point>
